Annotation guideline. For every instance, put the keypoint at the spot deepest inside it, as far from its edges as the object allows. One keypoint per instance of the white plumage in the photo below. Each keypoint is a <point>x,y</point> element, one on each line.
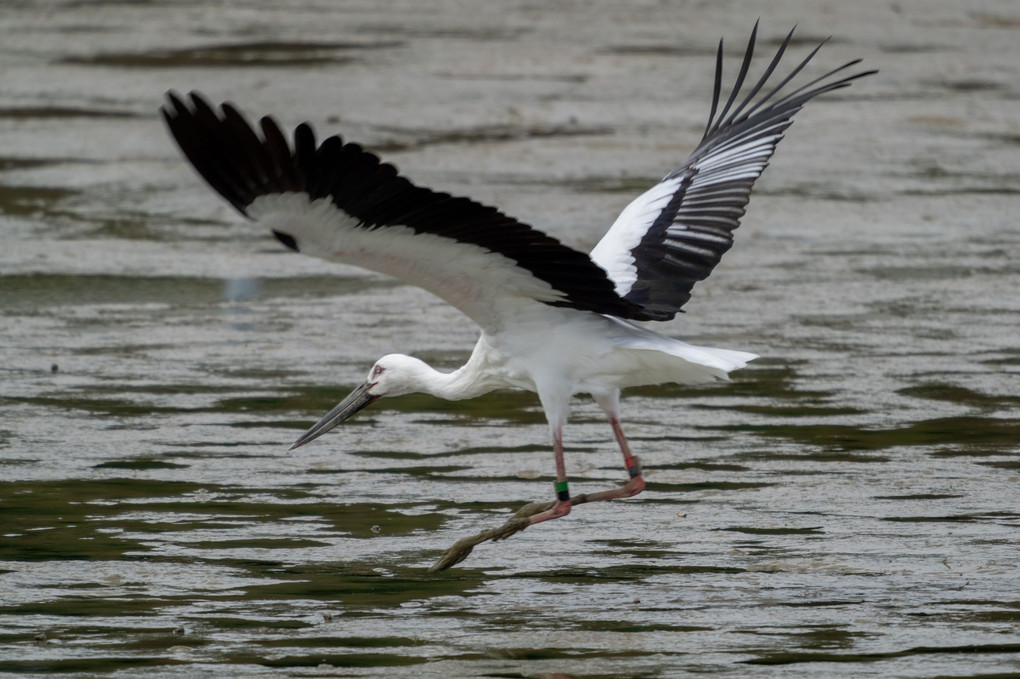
<point>553,320</point>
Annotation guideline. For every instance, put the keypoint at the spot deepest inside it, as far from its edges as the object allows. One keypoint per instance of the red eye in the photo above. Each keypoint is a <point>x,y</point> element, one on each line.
<point>377,370</point>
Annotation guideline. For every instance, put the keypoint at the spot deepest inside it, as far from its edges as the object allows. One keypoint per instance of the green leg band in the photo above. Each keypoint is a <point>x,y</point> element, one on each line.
<point>562,494</point>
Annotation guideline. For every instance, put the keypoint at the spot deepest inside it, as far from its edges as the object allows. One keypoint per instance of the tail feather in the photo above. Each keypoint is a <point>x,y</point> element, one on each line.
<point>734,360</point>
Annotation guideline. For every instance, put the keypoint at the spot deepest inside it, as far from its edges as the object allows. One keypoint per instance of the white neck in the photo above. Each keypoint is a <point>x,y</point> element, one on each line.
<point>462,383</point>
<point>406,374</point>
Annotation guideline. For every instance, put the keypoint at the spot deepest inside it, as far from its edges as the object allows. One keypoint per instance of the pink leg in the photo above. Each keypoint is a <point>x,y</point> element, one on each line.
<point>636,484</point>
<point>536,512</point>
<point>562,505</point>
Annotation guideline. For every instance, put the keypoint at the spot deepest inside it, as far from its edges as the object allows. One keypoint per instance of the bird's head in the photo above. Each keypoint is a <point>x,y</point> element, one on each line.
<point>392,375</point>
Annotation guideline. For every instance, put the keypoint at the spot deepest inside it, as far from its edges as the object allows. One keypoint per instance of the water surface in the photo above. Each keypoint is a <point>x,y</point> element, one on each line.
<point>847,506</point>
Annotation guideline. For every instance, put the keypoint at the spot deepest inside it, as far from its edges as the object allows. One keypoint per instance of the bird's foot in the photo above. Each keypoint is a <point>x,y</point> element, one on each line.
<point>536,512</point>
<point>558,509</point>
<point>629,489</point>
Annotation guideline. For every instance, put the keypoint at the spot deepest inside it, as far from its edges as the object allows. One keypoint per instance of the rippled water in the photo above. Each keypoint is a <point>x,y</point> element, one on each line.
<point>846,507</point>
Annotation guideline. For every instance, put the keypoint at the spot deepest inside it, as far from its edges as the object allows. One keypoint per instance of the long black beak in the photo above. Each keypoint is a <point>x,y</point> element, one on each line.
<point>355,401</point>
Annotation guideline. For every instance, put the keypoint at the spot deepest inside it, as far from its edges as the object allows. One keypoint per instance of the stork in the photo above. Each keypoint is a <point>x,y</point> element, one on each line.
<point>553,320</point>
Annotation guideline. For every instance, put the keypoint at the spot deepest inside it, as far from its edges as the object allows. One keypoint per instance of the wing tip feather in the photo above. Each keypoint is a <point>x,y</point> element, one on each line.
<point>660,277</point>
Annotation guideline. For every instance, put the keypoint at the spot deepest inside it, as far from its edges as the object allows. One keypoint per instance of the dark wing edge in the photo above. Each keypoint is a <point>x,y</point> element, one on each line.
<point>687,238</point>
<point>242,165</point>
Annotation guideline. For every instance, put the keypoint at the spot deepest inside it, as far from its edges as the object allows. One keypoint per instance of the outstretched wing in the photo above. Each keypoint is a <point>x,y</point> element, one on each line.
<point>337,201</point>
<point>674,234</point>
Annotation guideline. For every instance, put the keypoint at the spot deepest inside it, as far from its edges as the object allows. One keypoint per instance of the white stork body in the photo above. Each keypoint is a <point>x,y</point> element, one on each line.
<point>556,352</point>
<point>554,321</point>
